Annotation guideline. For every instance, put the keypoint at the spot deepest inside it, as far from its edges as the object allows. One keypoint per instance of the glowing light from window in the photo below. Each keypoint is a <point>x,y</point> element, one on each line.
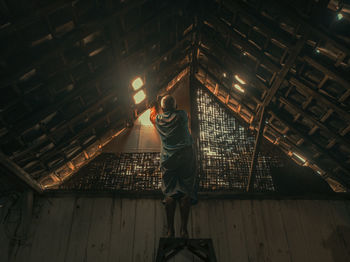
<point>144,118</point>
<point>239,79</point>
<point>340,16</point>
<point>139,97</point>
<point>224,74</point>
<point>302,159</point>
<point>318,51</point>
<point>239,88</point>
<point>137,83</point>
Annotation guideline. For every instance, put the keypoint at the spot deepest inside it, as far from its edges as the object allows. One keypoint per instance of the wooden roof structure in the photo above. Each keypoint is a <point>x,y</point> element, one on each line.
<point>66,67</point>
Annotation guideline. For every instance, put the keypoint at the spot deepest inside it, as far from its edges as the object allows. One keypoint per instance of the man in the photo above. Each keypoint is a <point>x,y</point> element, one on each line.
<point>177,162</point>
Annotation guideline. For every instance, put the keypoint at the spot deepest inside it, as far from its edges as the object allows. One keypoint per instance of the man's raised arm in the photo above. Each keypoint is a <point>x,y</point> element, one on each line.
<point>153,114</point>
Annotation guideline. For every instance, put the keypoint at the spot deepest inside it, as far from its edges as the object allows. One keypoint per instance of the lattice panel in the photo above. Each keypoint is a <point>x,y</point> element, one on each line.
<point>226,148</point>
<point>123,171</point>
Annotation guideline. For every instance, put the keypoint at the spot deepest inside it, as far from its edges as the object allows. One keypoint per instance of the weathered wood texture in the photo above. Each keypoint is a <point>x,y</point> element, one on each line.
<point>122,229</point>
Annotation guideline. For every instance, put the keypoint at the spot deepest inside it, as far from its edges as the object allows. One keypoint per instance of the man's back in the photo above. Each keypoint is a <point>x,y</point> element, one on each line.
<point>173,131</point>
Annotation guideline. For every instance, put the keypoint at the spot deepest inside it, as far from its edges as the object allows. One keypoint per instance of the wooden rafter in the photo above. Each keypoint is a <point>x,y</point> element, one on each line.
<point>20,173</point>
<point>267,100</point>
<point>78,34</point>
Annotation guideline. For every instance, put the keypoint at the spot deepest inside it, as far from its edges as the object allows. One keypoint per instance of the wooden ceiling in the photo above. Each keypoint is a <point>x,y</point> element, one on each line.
<point>66,69</point>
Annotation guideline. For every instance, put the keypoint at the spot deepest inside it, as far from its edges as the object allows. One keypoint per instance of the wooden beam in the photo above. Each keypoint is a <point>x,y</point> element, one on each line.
<point>294,81</point>
<point>246,45</point>
<point>345,83</point>
<point>225,66</point>
<point>20,173</point>
<point>271,93</point>
<point>233,61</point>
<point>272,30</point>
<point>317,123</point>
<point>23,22</point>
<point>258,138</point>
<point>227,90</point>
<point>284,71</point>
<point>311,141</point>
<point>78,34</point>
<point>92,80</point>
<point>288,10</point>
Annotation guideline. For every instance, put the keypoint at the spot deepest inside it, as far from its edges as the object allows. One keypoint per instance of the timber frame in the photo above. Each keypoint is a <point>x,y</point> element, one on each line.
<point>66,70</point>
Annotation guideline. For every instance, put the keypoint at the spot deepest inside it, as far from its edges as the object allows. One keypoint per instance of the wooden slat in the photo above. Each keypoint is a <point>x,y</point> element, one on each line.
<point>54,225</point>
<point>275,231</point>
<point>99,230</point>
<point>340,212</point>
<point>126,239</point>
<point>293,230</point>
<point>160,225</point>
<point>79,233</point>
<point>144,231</point>
<point>115,236</point>
<point>200,222</point>
<point>218,229</point>
<point>336,235</point>
<point>235,235</point>
<point>242,230</point>
<point>254,229</point>
<point>314,229</point>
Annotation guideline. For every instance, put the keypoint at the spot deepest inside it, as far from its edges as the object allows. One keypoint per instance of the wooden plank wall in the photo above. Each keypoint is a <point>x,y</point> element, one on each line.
<point>122,229</point>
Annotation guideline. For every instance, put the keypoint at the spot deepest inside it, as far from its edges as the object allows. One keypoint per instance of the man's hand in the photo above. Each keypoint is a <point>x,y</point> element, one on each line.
<point>154,112</point>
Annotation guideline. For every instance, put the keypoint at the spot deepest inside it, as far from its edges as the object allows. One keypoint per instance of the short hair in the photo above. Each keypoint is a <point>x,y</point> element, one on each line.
<point>168,103</point>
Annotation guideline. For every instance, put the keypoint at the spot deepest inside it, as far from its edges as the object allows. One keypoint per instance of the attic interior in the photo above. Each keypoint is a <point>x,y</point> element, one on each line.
<point>266,85</point>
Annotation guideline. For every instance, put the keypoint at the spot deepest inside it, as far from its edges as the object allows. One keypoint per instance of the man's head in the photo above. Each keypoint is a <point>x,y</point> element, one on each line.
<point>168,103</point>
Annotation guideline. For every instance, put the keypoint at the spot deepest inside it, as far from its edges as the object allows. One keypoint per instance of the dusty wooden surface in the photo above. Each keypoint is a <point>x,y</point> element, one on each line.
<point>123,229</point>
